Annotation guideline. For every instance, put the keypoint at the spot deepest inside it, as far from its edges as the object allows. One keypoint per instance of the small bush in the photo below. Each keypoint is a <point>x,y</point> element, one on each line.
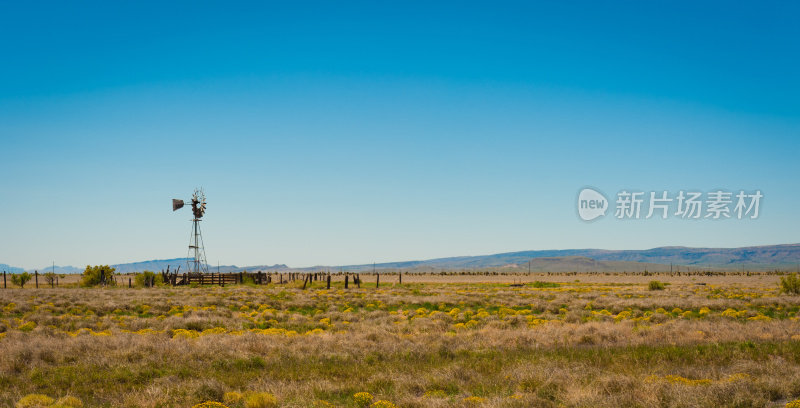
<point>248,279</point>
<point>656,285</point>
<point>34,401</point>
<point>20,280</point>
<point>96,275</point>
<point>143,279</point>
<point>232,397</point>
<point>540,284</point>
<point>260,400</point>
<point>790,284</point>
<point>362,399</point>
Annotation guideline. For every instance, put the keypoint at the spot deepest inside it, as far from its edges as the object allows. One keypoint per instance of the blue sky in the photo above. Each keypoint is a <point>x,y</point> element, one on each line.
<point>337,133</point>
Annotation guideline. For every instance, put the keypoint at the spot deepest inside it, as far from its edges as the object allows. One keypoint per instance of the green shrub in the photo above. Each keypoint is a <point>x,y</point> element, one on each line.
<point>248,279</point>
<point>656,285</point>
<point>96,275</point>
<point>790,284</point>
<point>21,279</point>
<point>141,279</point>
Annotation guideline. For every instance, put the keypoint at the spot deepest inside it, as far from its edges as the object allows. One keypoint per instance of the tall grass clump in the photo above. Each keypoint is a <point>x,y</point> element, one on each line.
<point>656,285</point>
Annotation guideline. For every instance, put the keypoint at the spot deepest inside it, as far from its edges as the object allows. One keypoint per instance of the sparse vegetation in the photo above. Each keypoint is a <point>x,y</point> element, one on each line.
<point>420,344</point>
<point>540,284</point>
<point>655,285</point>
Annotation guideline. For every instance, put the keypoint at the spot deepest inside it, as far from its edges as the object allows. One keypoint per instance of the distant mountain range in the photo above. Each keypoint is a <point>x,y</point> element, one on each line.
<point>756,257</point>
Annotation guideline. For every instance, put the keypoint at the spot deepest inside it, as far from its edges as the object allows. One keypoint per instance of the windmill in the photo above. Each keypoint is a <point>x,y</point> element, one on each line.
<point>196,257</point>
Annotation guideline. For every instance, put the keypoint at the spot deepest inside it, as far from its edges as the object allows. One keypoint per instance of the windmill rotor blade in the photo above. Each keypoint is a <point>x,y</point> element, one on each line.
<point>177,204</point>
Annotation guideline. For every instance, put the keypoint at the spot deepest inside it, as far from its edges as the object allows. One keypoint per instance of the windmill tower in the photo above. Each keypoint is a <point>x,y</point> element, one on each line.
<point>196,257</point>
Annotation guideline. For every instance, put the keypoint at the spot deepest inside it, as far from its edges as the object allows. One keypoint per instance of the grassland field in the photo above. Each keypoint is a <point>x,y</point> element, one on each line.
<point>585,340</point>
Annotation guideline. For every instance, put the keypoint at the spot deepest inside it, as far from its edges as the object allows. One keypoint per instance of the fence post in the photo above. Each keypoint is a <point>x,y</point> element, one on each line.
<point>346,277</point>
<point>377,280</point>
<point>401,277</point>
<point>329,281</point>
<point>358,280</point>
<point>4,279</point>
<point>56,280</point>
<point>36,274</point>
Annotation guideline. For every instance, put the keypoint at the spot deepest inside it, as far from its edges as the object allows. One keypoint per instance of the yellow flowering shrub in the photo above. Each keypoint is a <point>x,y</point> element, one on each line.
<point>214,330</point>
<point>184,334</point>
<point>435,394</point>
<point>260,400</point>
<point>210,404</point>
<point>362,399</point>
<point>26,327</point>
<point>383,404</point>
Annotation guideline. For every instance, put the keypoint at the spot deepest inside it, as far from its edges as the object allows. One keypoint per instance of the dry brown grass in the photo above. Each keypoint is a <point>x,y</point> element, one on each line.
<point>734,342</point>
